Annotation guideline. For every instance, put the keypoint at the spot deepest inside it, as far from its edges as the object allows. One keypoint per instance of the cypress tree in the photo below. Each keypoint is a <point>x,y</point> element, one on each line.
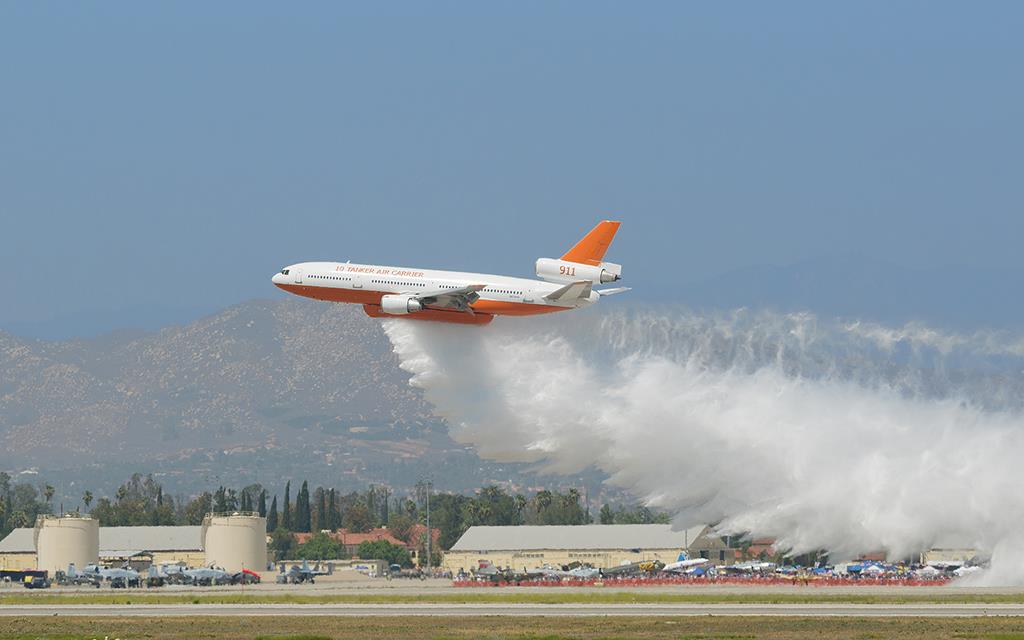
<point>272,516</point>
<point>321,510</point>
<point>263,504</point>
<point>333,515</point>
<point>220,500</point>
<point>287,506</point>
<point>302,513</point>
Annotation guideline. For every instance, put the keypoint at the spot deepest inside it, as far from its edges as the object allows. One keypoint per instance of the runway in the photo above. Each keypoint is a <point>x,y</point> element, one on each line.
<point>519,609</point>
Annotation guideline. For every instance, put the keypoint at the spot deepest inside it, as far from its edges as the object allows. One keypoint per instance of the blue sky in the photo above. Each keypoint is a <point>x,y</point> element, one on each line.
<point>161,160</point>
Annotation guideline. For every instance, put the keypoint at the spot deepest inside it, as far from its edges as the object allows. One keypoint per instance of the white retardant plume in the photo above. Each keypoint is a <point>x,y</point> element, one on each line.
<point>824,435</point>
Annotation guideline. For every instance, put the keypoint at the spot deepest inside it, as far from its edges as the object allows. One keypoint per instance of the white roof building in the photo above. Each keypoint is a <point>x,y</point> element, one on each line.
<point>600,545</point>
<point>580,537</point>
<point>120,542</point>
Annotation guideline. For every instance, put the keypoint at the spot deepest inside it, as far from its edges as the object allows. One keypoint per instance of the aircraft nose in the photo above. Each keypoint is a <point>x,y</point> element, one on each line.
<point>279,278</point>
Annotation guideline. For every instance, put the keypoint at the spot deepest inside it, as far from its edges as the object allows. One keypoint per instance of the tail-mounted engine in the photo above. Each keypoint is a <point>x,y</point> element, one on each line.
<point>563,271</point>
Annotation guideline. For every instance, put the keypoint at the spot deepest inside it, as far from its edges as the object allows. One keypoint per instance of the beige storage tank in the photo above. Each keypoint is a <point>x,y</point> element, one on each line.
<point>235,541</point>
<point>65,540</point>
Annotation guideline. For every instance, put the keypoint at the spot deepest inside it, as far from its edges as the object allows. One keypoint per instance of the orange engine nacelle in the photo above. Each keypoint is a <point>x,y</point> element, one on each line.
<point>433,315</point>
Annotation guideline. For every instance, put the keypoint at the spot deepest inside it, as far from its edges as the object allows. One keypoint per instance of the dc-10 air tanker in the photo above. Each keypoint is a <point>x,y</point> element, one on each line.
<point>466,298</point>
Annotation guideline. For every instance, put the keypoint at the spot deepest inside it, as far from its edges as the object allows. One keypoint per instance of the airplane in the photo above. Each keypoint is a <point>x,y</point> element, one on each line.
<point>633,568</point>
<point>207,576</point>
<point>464,298</point>
<point>299,574</point>
<point>72,577</point>
<point>682,565</point>
<point>203,576</point>
<point>486,569</point>
<point>118,577</point>
<point>581,572</point>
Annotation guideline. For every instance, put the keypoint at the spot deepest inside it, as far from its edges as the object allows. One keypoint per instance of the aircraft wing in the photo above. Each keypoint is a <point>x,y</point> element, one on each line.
<point>456,299</point>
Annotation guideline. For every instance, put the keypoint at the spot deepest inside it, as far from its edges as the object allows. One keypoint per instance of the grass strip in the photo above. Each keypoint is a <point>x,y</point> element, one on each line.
<point>526,628</point>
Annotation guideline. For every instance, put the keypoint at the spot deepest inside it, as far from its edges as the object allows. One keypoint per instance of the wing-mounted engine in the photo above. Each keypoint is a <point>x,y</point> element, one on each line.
<point>564,271</point>
<point>400,304</point>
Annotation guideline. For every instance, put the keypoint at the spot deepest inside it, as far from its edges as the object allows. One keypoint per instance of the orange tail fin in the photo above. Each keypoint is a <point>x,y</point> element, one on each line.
<point>590,250</point>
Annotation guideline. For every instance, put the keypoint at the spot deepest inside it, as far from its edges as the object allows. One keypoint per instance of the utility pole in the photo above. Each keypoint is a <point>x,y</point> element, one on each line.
<point>428,485</point>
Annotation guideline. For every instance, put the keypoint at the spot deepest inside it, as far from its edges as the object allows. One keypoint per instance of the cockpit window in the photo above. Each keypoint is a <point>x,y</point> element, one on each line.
<point>284,272</point>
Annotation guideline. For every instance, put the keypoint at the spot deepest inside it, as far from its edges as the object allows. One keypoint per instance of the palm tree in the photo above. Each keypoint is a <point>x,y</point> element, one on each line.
<point>48,493</point>
<point>543,499</point>
<point>520,502</point>
<point>87,499</point>
<point>573,497</point>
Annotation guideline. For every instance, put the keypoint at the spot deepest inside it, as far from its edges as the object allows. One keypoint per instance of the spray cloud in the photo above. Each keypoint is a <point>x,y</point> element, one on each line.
<point>850,437</point>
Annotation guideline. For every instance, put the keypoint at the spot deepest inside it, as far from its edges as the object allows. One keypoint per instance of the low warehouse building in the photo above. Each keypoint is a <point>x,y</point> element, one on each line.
<point>116,546</point>
<point>951,550</point>
<point>600,545</point>
<point>18,550</point>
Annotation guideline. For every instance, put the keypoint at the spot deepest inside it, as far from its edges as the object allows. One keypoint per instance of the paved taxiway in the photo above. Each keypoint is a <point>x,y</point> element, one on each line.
<point>520,609</point>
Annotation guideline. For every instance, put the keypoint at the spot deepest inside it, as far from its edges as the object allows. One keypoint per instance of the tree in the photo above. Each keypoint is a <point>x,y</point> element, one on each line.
<point>607,516</point>
<point>48,492</point>
<point>321,547</point>
<point>543,500</point>
<point>321,509</point>
<point>401,526</point>
<point>272,523</point>
<point>333,514</point>
<point>263,504</point>
<point>197,508</point>
<point>87,499</point>
<point>520,502</point>
<point>220,500</point>
<point>282,543</point>
<point>358,518</point>
<point>449,512</point>
<point>384,550</point>
<point>303,517</point>
<point>287,516</point>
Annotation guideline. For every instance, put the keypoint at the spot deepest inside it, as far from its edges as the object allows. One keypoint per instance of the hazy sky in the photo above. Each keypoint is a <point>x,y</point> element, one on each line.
<point>172,156</point>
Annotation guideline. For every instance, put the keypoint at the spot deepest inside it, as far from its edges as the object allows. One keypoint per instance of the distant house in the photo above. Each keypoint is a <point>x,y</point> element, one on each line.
<point>352,540</point>
<point>761,549</point>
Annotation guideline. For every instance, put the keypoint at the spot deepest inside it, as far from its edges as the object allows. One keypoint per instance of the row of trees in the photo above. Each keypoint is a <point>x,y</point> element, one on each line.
<point>323,547</point>
<point>20,503</point>
<point>142,501</point>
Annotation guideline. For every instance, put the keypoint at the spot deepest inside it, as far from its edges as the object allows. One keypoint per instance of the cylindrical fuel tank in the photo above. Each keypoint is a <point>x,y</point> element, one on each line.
<point>66,540</point>
<point>235,541</point>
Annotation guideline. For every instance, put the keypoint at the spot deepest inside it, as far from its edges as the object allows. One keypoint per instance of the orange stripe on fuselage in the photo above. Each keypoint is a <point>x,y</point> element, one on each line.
<point>357,296</point>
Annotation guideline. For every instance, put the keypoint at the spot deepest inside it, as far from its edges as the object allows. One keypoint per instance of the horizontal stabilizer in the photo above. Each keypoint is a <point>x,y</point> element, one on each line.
<point>612,292</point>
<point>570,292</point>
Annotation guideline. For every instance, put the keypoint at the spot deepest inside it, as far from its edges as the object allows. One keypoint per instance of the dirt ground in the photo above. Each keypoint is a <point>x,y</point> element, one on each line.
<point>532,628</point>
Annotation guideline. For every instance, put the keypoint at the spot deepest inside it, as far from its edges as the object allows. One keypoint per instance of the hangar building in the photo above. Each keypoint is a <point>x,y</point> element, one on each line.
<point>601,545</point>
<point>138,545</point>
